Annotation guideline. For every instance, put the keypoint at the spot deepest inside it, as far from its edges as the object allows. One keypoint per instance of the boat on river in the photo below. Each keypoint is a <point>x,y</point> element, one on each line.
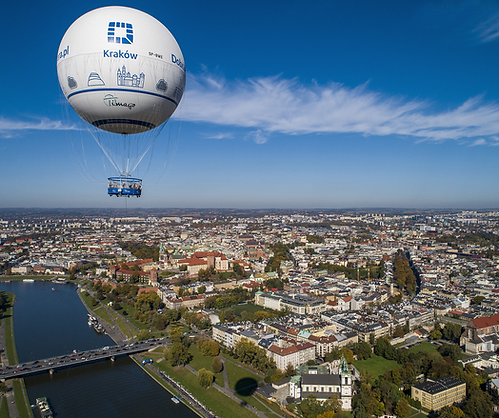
<point>175,399</point>
<point>44,408</point>
<point>93,322</point>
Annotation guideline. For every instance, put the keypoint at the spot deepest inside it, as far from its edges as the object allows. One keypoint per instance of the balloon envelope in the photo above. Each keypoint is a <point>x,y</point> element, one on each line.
<point>121,70</point>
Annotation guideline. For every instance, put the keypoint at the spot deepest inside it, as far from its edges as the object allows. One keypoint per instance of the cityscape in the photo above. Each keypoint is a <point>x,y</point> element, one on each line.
<point>324,307</point>
<point>250,209</point>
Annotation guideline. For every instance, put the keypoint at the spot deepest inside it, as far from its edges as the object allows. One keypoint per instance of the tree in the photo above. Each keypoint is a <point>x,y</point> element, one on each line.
<point>135,277</point>
<point>362,350</point>
<point>161,322</point>
<point>435,335</point>
<point>248,352</point>
<point>347,353</point>
<point>334,403</point>
<point>290,370</point>
<point>204,274</point>
<point>277,376</point>
<point>208,347</point>
<point>176,335</point>
<point>327,414</point>
<point>147,302</point>
<point>478,405</point>
<point>236,267</point>
<point>477,300</point>
<point>450,412</point>
<point>217,365</point>
<point>399,332</point>
<point>311,406</point>
<point>178,354</point>
<point>143,334</point>
<point>452,332</point>
<point>402,409</point>
<point>334,354</point>
<point>451,350</point>
<point>227,315</point>
<point>205,378</point>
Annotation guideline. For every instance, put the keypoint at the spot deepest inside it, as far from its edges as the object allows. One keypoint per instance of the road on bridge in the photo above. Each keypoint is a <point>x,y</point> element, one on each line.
<point>78,358</point>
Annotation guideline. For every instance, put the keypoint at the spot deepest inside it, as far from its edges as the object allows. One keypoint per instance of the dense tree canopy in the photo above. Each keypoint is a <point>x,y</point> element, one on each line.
<point>403,274</point>
<point>141,251</point>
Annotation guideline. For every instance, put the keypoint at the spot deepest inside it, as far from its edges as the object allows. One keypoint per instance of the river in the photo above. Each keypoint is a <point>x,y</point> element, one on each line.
<point>54,322</point>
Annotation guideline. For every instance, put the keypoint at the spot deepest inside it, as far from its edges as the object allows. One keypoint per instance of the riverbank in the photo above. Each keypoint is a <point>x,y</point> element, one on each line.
<point>111,329</point>
<point>51,319</point>
<point>16,396</point>
<point>117,335</point>
<point>172,387</point>
<point>184,384</point>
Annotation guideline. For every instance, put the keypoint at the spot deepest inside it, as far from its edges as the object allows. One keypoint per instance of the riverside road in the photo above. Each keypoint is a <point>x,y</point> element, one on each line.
<point>77,358</point>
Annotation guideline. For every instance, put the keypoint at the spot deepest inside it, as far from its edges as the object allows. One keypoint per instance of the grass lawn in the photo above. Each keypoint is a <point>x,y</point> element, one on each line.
<point>428,347</point>
<point>377,365</point>
<point>20,396</point>
<point>237,374</point>
<point>102,312</point>
<point>249,307</point>
<point>4,408</point>
<point>211,398</point>
<point>247,366</point>
<point>199,361</point>
<point>130,311</point>
<point>425,347</point>
<point>120,322</point>
<point>122,326</point>
<point>184,328</point>
<point>418,415</point>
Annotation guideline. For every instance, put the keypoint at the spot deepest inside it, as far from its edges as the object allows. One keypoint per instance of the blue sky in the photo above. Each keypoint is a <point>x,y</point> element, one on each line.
<point>288,104</point>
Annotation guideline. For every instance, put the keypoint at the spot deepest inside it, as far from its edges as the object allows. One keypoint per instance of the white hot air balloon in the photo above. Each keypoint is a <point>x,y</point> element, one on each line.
<point>123,72</point>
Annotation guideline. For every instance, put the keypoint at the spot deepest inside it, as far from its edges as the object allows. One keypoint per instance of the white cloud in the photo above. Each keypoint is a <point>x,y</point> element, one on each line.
<point>478,142</point>
<point>10,128</point>
<point>266,105</point>
<point>489,31</point>
<point>274,104</point>
<point>258,136</point>
<point>221,135</point>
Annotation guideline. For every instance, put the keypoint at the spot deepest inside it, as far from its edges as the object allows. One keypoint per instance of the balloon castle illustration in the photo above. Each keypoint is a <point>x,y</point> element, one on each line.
<point>123,73</point>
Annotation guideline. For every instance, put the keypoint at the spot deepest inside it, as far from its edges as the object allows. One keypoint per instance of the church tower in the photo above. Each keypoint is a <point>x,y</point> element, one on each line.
<point>346,385</point>
<point>163,256</point>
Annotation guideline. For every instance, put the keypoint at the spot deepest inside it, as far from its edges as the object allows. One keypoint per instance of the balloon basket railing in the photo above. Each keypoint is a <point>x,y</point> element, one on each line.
<point>123,186</point>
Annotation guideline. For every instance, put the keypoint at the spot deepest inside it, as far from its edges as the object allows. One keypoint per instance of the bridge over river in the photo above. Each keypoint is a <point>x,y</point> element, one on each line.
<point>77,358</point>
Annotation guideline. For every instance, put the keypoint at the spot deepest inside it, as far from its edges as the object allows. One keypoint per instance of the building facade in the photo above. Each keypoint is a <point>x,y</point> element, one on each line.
<point>437,393</point>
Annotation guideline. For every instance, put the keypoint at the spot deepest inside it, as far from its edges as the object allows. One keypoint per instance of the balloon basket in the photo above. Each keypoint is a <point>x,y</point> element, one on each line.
<point>123,186</point>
